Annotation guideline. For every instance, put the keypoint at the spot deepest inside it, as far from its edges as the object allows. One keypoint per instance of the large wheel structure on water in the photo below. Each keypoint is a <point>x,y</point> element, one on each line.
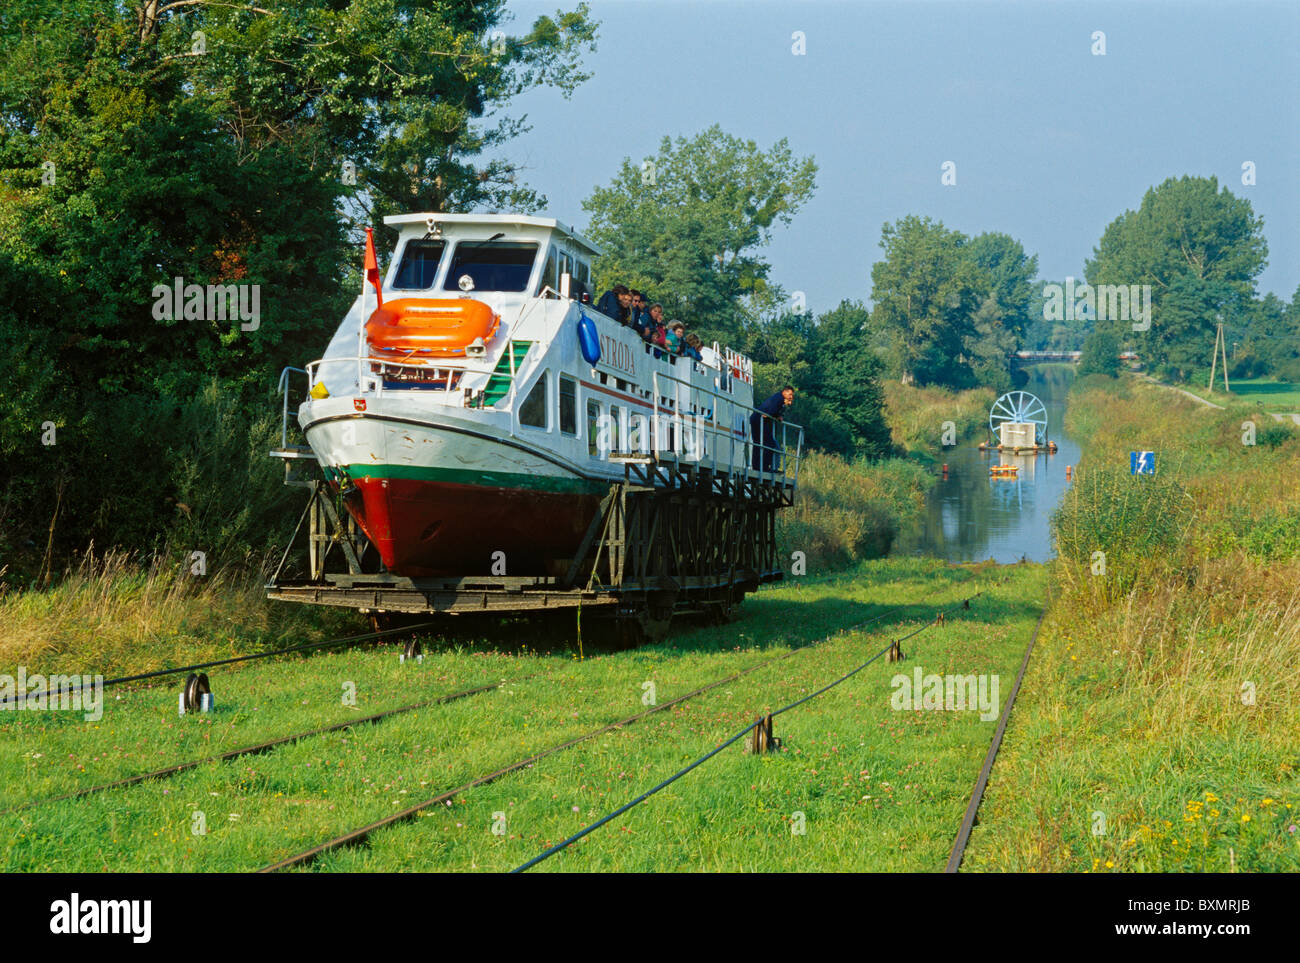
<point>1022,408</point>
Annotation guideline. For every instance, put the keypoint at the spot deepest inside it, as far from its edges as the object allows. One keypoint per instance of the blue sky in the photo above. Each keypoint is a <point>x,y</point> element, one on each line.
<point>1050,142</point>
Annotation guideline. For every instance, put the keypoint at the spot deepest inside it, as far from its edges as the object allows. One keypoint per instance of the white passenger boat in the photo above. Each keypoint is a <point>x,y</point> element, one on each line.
<point>483,408</point>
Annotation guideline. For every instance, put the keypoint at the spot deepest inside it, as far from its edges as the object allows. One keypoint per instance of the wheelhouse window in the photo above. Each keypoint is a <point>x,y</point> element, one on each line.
<point>532,413</point>
<point>549,276</point>
<point>419,265</point>
<point>491,266</point>
<point>568,406</point>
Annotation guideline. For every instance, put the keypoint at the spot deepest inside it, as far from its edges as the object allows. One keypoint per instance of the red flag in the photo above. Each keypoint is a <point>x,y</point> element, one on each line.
<point>372,266</point>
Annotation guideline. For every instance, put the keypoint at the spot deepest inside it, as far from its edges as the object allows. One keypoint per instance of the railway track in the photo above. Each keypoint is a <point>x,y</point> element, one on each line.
<point>255,749</point>
<point>982,780</point>
<point>18,701</point>
<point>977,794</point>
<point>267,745</point>
<point>363,833</point>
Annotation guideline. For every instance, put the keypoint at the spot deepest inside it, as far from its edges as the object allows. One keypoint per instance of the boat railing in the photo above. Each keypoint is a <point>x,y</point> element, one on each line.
<point>284,396</point>
<point>716,416</point>
<point>373,375</point>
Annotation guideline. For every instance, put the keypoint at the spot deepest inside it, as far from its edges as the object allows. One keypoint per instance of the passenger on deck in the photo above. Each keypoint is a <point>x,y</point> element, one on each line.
<point>652,321</point>
<point>616,303</point>
<point>637,310</point>
<point>692,346</point>
<point>674,337</point>
<point>656,333</point>
<point>763,430</point>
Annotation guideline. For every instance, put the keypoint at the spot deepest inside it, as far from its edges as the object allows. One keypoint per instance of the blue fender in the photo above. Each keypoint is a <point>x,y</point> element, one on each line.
<point>588,339</point>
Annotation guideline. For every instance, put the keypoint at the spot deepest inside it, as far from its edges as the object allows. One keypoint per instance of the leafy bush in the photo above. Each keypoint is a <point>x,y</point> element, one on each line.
<point>1274,434</point>
<point>916,416</point>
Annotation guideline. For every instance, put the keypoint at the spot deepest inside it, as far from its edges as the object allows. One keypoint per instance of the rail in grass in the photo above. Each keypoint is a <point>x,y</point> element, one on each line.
<point>363,833</point>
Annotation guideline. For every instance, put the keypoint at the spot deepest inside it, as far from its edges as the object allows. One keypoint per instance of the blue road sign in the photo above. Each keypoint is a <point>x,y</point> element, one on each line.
<point>1142,462</point>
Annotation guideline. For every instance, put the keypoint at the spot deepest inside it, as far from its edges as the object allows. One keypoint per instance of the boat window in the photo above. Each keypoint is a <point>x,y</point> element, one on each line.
<point>491,266</point>
<point>532,413</point>
<point>593,428</point>
<point>419,265</point>
<point>568,406</point>
<point>549,277</point>
<point>615,418</point>
<point>636,434</point>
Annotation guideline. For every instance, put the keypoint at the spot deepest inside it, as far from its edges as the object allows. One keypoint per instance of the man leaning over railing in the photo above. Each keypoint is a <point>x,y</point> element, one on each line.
<point>762,426</point>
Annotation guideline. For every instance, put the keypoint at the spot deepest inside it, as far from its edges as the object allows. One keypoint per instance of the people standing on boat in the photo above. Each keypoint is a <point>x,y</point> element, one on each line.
<point>616,303</point>
<point>637,310</point>
<point>691,347</point>
<point>673,339</point>
<point>649,321</point>
<point>763,429</point>
<point>659,337</point>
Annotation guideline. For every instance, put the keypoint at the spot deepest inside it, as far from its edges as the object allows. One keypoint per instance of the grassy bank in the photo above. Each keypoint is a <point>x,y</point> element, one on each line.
<point>117,615</point>
<point>1156,729</point>
<point>916,417</point>
<point>846,512</point>
<point>874,788</point>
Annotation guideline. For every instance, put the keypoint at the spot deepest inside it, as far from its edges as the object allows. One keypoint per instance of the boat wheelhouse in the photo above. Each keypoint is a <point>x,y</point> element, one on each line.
<point>474,421</point>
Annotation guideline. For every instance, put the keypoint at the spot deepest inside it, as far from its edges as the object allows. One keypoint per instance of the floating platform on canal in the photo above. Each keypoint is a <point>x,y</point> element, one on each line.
<point>1047,448</point>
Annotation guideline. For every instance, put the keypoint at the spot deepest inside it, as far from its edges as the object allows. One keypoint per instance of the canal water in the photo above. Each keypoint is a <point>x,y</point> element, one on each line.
<point>970,516</point>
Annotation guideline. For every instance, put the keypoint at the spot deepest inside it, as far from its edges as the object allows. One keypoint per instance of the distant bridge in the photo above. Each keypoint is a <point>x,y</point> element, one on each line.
<point>1049,355</point>
<point>1072,356</point>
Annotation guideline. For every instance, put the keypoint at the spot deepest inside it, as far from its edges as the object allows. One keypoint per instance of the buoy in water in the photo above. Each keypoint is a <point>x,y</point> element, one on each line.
<point>1069,472</point>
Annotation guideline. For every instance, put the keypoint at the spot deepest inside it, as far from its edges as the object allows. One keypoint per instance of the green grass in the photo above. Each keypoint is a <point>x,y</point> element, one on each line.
<point>880,789</point>
<point>848,511</point>
<point>1258,394</point>
<point>113,616</point>
<point>916,416</point>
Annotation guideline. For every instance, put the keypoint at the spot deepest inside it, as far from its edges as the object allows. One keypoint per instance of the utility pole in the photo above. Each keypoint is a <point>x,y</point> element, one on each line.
<point>1220,346</point>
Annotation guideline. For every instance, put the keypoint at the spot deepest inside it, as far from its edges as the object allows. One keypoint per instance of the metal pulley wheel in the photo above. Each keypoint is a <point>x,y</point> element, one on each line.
<point>1019,407</point>
<point>196,687</point>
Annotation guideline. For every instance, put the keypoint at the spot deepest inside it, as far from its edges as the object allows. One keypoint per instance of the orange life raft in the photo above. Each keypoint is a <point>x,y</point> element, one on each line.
<point>412,329</point>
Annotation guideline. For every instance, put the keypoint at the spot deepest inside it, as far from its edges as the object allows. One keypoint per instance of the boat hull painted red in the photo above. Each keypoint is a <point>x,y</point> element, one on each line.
<point>428,528</point>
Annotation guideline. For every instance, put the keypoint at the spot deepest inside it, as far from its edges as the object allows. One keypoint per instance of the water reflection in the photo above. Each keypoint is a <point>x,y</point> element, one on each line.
<point>971,516</point>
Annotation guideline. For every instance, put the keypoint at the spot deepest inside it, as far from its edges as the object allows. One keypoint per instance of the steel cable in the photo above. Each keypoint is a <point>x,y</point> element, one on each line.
<point>709,755</point>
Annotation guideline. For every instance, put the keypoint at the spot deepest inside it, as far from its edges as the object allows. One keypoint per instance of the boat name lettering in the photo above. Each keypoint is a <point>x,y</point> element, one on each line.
<point>616,354</point>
